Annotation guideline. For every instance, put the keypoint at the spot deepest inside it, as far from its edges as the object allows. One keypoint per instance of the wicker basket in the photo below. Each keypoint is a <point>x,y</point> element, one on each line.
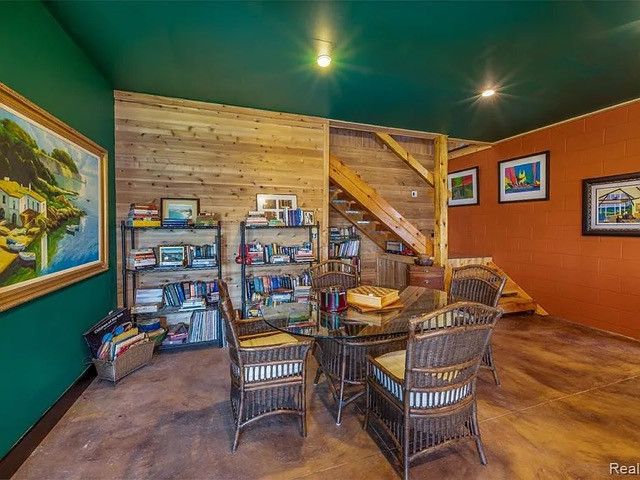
<point>135,357</point>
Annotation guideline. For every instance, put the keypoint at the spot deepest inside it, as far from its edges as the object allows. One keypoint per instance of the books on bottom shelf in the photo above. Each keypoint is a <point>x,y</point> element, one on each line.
<point>203,326</point>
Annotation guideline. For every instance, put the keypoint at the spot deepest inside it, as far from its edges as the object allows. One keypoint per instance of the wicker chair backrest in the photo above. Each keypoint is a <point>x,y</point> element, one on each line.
<point>444,351</point>
<point>477,283</point>
<point>333,272</point>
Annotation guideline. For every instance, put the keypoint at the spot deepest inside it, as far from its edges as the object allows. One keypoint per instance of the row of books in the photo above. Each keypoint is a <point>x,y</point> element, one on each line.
<point>256,219</point>
<point>176,294</point>
<point>143,215</point>
<point>204,326</point>
<point>259,254</point>
<point>269,284</point>
<point>347,248</point>
<point>339,233</point>
<point>198,256</point>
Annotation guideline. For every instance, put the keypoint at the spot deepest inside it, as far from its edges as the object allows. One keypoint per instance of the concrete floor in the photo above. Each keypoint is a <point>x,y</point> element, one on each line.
<point>568,405</point>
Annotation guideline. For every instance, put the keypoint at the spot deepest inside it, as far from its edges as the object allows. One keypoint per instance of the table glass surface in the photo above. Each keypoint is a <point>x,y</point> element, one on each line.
<point>306,319</point>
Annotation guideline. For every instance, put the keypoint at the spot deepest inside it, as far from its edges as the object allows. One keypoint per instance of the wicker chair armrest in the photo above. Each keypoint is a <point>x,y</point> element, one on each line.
<point>285,353</point>
<point>249,327</point>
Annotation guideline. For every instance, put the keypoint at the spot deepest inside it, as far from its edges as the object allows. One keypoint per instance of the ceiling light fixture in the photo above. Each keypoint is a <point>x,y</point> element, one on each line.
<point>489,92</point>
<point>324,60</point>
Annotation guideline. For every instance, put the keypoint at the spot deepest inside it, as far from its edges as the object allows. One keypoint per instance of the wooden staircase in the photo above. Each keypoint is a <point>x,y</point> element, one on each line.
<point>371,214</point>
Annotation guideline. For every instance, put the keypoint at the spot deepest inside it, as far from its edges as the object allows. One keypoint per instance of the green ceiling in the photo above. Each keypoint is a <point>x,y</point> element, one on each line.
<point>415,65</point>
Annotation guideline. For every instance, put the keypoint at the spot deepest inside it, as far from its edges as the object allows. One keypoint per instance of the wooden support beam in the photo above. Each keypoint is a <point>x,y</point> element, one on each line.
<point>441,199</point>
<point>461,152</point>
<point>403,154</point>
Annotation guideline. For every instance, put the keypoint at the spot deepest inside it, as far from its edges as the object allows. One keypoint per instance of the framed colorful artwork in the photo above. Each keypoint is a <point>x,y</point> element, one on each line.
<point>463,186</point>
<point>611,205</point>
<point>524,179</point>
<point>53,203</point>
<point>176,211</point>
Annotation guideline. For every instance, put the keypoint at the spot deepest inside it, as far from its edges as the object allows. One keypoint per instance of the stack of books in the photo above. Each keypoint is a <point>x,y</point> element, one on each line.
<point>301,293</point>
<point>202,256</point>
<point>143,215</point>
<point>275,289</point>
<point>147,300</point>
<point>141,258</point>
<point>304,253</point>
<point>114,346</point>
<point>177,334</point>
<point>256,219</point>
<point>340,233</point>
<point>195,303</point>
<point>348,248</point>
<point>152,327</point>
<point>203,326</point>
<point>258,254</point>
<point>254,253</point>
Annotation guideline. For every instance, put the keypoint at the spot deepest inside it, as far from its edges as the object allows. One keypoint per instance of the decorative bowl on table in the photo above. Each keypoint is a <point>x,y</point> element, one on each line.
<point>423,261</point>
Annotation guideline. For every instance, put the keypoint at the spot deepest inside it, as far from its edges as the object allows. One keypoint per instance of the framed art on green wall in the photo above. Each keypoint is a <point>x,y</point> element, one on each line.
<point>53,203</point>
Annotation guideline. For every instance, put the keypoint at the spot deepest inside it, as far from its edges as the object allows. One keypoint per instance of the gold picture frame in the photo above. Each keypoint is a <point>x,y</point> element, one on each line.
<point>68,208</point>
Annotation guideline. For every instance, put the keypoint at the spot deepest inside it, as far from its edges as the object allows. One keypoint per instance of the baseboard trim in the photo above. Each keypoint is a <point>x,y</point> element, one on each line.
<point>11,462</point>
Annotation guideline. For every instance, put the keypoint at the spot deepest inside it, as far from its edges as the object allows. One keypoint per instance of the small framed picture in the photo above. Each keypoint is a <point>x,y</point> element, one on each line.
<point>273,206</point>
<point>463,186</point>
<point>611,205</point>
<point>179,211</point>
<point>308,217</point>
<point>171,255</point>
<point>524,179</point>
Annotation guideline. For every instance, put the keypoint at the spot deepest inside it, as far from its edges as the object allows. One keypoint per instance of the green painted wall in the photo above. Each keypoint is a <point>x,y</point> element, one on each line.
<point>41,348</point>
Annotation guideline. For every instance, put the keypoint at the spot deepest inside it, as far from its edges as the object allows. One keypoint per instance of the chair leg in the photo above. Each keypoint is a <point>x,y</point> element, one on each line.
<point>319,372</point>
<point>367,393</point>
<point>480,447</point>
<point>340,403</point>
<point>475,430</point>
<point>487,360</point>
<point>495,375</point>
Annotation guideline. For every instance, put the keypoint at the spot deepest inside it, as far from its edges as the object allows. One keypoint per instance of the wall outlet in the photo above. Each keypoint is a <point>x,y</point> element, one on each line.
<point>414,194</point>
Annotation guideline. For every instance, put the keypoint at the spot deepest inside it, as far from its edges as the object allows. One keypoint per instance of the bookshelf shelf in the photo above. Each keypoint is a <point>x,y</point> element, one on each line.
<point>342,243</point>
<point>313,237</point>
<point>129,241</point>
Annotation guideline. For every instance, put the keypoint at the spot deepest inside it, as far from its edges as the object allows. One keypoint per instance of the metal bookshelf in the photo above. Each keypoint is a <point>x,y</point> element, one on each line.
<point>313,238</point>
<point>129,241</point>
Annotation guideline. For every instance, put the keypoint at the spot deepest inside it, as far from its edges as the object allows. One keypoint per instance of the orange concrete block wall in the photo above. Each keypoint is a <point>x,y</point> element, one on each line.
<point>589,280</point>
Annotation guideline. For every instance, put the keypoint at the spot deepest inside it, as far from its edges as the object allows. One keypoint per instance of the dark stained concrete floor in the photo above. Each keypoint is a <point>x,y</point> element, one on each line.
<point>569,404</point>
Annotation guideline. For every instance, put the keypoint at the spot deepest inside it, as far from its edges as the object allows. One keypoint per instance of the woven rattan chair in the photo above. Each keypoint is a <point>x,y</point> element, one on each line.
<point>424,397</point>
<point>245,328</point>
<point>268,373</point>
<point>334,273</point>
<point>477,283</point>
<point>344,362</point>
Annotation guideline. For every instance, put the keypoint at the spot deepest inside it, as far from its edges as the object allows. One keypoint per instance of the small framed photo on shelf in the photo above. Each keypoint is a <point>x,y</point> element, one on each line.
<point>308,217</point>
<point>524,179</point>
<point>178,212</point>
<point>171,255</point>
<point>273,206</point>
<point>611,205</point>
<point>463,186</point>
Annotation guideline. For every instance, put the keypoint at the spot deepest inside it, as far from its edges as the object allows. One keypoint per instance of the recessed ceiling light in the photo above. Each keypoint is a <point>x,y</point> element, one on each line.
<point>489,92</point>
<point>324,60</point>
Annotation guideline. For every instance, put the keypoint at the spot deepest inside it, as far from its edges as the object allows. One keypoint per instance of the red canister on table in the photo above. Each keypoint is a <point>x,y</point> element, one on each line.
<point>333,299</point>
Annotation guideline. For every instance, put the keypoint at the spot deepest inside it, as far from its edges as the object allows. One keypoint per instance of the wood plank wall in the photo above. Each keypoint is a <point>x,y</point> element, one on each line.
<point>167,147</point>
<point>392,178</point>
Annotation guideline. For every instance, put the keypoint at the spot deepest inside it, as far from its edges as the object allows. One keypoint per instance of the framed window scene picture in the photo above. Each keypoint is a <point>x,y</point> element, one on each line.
<point>611,205</point>
<point>524,179</point>
<point>274,206</point>
<point>463,185</point>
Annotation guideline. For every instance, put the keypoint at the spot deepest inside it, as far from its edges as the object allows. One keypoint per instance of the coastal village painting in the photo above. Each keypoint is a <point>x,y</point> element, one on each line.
<point>52,207</point>
<point>611,205</point>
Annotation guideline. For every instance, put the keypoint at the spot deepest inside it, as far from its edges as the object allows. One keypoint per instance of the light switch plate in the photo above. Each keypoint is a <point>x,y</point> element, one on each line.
<point>414,193</point>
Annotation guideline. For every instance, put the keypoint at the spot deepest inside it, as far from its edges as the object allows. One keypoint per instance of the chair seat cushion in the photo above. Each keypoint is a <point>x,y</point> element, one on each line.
<point>394,363</point>
<point>269,340</point>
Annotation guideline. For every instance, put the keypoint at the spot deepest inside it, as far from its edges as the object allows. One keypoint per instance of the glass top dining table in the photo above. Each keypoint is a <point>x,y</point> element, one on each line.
<point>306,319</point>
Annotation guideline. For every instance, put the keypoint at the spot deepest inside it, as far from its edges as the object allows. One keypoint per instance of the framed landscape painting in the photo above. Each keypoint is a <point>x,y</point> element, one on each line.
<point>611,205</point>
<point>463,186</point>
<point>53,203</point>
<point>524,179</point>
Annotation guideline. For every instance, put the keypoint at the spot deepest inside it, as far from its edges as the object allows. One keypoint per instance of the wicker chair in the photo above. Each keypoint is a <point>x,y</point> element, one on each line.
<point>333,272</point>
<point>245,328</point>
<point>424,397</point>
<point>344,362</point>
<point>267,372</point>
<point>477,283</point>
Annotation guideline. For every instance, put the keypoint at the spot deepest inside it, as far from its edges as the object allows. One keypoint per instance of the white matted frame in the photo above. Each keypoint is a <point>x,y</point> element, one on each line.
<point>272,204</point>
<point>463,186</point>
